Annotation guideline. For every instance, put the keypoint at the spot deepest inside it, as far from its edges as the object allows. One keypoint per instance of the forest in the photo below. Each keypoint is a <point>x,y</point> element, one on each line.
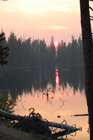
<point>27,53</point>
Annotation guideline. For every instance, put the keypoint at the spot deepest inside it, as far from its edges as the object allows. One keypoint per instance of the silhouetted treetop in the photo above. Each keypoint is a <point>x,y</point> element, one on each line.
<point>36,53</point>
<point>3,50</point>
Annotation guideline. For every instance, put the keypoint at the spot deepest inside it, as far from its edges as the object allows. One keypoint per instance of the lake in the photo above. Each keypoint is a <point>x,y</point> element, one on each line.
<point>57,94</point>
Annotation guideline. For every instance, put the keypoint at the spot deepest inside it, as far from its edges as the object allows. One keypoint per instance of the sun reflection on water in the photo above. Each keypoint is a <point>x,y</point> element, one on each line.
<point>51,103</point>
<point>56,75</point>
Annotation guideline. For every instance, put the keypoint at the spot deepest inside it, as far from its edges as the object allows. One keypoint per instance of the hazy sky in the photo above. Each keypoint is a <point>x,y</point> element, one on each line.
<point>41,19</point>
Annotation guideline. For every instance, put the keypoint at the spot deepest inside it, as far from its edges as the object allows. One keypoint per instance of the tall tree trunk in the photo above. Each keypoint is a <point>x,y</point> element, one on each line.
<point>88,58</point>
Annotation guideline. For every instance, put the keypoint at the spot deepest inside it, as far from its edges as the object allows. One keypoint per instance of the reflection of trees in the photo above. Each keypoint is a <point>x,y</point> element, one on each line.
<point>18,81</point>
<point>75,78</point>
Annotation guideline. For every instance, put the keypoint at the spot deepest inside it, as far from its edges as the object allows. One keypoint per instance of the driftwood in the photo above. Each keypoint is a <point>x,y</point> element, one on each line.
<point>63,126</point>
<point>9,115</point>
<point>77,115</point>
<point>62,133</point>
<point>67,128</point>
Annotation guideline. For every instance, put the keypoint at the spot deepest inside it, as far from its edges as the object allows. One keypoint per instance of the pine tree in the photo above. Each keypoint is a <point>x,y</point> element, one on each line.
<point>3,50</point>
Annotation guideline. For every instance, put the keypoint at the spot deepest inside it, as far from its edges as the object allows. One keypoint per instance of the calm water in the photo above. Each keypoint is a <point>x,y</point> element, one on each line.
<point>51,92</point>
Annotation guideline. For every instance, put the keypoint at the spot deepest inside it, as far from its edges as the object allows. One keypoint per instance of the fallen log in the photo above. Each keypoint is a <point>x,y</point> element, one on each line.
<point>77,115</point>
<point>62,133</point>
<point>63,126</point>
<point>9,115</point>
<point>52,124</point>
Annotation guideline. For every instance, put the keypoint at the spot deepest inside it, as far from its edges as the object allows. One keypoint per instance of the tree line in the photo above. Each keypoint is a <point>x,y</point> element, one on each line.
<point>36,53</point>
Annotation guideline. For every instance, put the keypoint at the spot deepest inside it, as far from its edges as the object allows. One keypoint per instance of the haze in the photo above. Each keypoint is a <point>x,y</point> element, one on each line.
<point>41,19</point>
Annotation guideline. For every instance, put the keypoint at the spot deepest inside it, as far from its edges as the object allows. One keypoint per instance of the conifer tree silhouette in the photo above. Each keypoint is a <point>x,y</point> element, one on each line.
<point>3,50</point>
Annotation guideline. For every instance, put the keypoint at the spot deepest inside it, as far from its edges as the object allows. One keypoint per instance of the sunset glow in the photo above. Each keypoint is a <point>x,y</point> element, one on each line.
<point>41,18</point>
<point>56,43</point>
<point>58,104</point>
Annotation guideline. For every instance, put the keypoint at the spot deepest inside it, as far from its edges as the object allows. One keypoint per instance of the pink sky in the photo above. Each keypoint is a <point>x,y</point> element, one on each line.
<point>41,19</point>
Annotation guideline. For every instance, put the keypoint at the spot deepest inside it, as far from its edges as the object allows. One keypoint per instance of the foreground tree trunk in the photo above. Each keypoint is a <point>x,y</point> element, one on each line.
<point>88,58</point>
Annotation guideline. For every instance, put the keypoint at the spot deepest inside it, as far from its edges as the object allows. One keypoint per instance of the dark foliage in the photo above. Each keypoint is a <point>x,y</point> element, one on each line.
<point>33,123</point>
<point>6,101</point>
<point>3,50</point>
<point>71,54</point>
<point>36,53</point>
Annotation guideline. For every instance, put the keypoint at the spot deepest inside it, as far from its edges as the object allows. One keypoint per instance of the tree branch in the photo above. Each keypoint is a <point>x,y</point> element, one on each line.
<point>91,8</point>
<point>91,16</point>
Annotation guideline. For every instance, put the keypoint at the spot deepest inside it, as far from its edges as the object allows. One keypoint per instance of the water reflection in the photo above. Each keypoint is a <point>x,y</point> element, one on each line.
<point>52,105</point>
<point>52,92</point>
<point>56,75</point>
<point>18,81</point>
